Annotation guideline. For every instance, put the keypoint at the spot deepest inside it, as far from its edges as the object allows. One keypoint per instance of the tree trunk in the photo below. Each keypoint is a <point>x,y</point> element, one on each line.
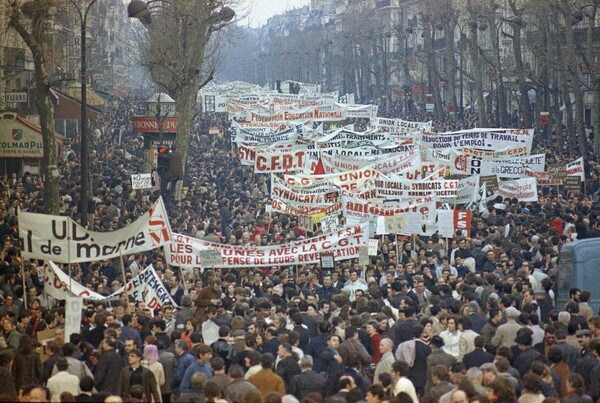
<point>451,67</point>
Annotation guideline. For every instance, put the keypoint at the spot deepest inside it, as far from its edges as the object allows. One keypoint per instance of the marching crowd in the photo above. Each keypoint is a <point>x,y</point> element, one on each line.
<point>468,319</point>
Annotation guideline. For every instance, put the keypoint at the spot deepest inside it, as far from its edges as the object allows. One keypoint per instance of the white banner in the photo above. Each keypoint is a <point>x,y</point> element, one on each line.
<point>351,180</point>
<point>57,238</point>
<point>147,287</point>
<point>280,206</point>
<point>319,194</point>
<point>362,209</point>
<point>484,139</point>
<point>446,188</point>
<point>345,244</point>
<point>59,285</point>
<point>279,160</point>
<point>392,163</point>
<point>525,190</point>
<point>504,168</point>
<point>399,126</point>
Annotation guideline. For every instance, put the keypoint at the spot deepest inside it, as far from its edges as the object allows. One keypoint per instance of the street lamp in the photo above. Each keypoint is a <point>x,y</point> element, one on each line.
<point>85,141</point>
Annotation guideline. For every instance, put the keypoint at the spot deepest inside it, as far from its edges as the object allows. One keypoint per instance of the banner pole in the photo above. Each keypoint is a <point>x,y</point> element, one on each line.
<point>123,271</point>
<point>23,281</point>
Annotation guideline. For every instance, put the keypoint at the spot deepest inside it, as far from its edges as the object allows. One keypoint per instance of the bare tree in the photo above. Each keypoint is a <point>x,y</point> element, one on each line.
<point>175,52</point>
<point>32,21</point>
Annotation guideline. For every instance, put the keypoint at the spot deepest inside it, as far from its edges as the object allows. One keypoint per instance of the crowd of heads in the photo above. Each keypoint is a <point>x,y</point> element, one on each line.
<point>504,270</point>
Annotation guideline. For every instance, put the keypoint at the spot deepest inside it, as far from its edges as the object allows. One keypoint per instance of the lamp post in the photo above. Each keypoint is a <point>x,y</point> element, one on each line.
<point>85,141</point>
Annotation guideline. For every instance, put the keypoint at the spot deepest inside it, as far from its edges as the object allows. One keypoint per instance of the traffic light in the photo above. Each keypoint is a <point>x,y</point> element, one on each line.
<point>162,159</point>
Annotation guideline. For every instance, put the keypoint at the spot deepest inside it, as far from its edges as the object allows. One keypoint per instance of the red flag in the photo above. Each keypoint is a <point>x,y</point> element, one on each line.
<point>319,168</point>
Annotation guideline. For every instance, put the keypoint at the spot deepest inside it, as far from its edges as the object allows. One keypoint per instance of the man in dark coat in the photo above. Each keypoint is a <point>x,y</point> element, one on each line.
<point>417,373</point>
<point>208,296</point>
<point>402,330</point>
<point>95,336</point>
<point>308,381</point>
<point>136,374</point>
<point>479,356</point>
<point>317,346</point>
<point>7,383</point>
<point>106,374</point>
<point>287,367</point>
<point>528,354</point>
<point>437,357</point>
<point>55,354</point>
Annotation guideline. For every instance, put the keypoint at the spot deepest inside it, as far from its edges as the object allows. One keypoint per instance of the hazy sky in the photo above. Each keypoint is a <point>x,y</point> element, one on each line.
<point>263,9</point>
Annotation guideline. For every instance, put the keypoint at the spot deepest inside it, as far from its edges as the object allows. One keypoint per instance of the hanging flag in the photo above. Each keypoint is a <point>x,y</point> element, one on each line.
<point>479,200</point>
<point>319,168</point>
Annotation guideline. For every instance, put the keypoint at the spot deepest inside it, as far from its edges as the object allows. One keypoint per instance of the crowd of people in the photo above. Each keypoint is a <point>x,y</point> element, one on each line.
<point>468,319</point>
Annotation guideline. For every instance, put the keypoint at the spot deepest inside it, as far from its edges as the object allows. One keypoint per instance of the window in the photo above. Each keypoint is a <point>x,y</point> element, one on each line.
<point>14,57</point>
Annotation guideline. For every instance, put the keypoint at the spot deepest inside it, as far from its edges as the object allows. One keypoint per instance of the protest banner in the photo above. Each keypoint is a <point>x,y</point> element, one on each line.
<point>279,160</point>
<point>399,126</point>
<point>317,194</point>
<point>281,207</point>
<point>59,285</point>
<point>359,208</point>
<point>451,221</point>
<point>350,180</point>
<point>525,190</point>
<point>483,139</point>
<point>73,309</point>
<point>61,239</point>
<point>344,244</point>
<point>409,189</point>
<point>147,287</point>
<point>141,181</point>
<point>505,167</point>
<point>390,163</point>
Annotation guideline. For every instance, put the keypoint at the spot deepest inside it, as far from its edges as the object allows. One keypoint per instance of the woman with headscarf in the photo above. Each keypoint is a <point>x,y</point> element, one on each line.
<point>150,361</point>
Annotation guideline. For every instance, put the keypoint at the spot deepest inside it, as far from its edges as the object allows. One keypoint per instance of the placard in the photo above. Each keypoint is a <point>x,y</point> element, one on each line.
<point>373,246</point>
<point>210,257</point>
<point>327,261</point>
<point>572,184</point>
<point>329,223</point>
<point>394,225</point>
<point>491,183</point>
<point>141,181</point>
<point>74,306</point>
<point>363,256</point>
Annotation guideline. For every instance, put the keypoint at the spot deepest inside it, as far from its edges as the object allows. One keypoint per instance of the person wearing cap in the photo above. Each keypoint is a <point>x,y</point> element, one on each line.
<point>437,357</point>
<point>136,374</point>
<point>506,333</point>
<point>63,381</point>
<point>186,311</point>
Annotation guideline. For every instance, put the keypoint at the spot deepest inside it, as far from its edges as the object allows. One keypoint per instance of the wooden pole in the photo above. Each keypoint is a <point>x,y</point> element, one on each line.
<point>23,281</point>
<point>123,270</point>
